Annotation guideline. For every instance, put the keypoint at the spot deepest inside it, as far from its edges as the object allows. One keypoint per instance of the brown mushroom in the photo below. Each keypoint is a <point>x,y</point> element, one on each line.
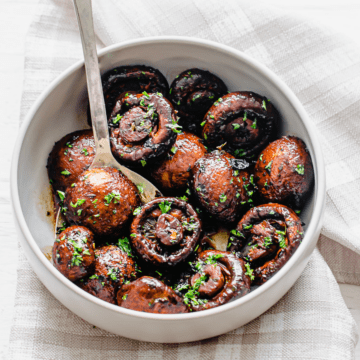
<point>114,264</point>
<point>69,158</point>
<point>222,186</point>
<point>100,287</point>
<point>150,295</point>
<point>220,277</point>
<point>284,171</point>
<point>266,237</point>
<point>147,128</point>
<point>133,78</point>
<point>73,252</point>
<point>192,93</point>
<point>173,172</point>
<point>103,200</point>
<point>243,120</point>
<point>165,231</point>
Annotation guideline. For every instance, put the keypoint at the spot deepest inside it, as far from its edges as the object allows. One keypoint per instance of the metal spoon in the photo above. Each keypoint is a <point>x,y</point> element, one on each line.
<point>103,157</point>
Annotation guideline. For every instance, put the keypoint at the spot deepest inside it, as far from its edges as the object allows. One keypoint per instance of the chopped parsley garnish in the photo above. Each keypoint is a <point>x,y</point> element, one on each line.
<point>223,198</point>
<point>263,105</point>
<point>147,95</point>
<point>61,195</point>
<point>247,227</point>
<point>267,242</point>
<point>117,119</point>
<point>124,245</point>
<point>113,196</point>
<point>249,271</point>
<point>174,126</point>
<point>85,152</point>
<point>65,172</point>
<point>268,166</point>
<point>165,206</point>
<point>173,149</point>
<point>78,203</point>
<point>245,116</point>
<point>124,297</point>
<point>140,188</point>
<point>143,162</point>
<point>300,169</point>
<point>137,211</point>
<point>93,277</point>
<point>254,124</point>
<point>203,123</point>
<point>237,233</point>
<point>236,126</point>
<point>261,156</point>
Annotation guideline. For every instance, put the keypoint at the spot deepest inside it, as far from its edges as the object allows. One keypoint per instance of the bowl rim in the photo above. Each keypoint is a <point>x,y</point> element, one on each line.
<point>319,191</point>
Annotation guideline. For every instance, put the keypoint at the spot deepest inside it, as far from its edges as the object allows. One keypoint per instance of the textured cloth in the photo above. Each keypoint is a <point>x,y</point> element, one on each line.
<point>323,70</point>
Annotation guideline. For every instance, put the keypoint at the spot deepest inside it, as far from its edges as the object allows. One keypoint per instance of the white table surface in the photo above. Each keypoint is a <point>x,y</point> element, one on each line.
<point>15,18</point>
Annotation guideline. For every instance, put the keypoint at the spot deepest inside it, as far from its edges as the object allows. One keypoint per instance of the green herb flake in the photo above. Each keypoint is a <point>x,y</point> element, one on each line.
<point>165,206</point>
<point>249,272</point>
<point>268,166</point>
<point>300,169</point>
<point>263,105</point>
<point>254,124</point>
<point>143,162</point>
<point>66,172</point>
<point>117,119</point>
<point>223,198</point>
<point>61,195</point>
<point>236,126</point>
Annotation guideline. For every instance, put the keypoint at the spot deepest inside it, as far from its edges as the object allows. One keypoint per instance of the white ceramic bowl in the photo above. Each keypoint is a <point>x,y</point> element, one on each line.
<point>62,109</point>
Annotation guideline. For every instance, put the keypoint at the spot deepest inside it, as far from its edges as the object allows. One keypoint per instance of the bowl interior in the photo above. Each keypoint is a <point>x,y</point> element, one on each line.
<point>63,110</point>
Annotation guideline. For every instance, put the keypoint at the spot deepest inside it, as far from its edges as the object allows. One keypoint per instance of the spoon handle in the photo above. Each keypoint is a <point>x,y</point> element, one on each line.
<point>84,15</point>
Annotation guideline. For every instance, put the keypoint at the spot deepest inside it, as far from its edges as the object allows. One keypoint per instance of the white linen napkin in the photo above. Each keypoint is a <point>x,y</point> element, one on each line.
<point>323,70</point>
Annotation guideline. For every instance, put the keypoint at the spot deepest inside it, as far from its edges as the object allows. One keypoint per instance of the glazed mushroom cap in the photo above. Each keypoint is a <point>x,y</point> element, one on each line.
<point>70,157</point>
<point>114,264</point>
<point>173,172</point>
<point>135,78</point>
<point>148,294</point>
<point>266,237</point>
<point>221,186</point>
<point>73,252</point>
<point>165,231</point>
<point>147,128</point>
<point>245,121</point>
<point>220,277</point>
<point>192,94</point>
<point>100,287</point>
<point>284,171</point>
<point>103,200</point>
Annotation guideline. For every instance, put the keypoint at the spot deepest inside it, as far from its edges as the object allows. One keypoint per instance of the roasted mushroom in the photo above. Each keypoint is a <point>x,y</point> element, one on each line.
<point>222,186</point>
<point>192,94</point>
<point>69,158</point>
<point>100,287</point>
<point>165,231</point>
<point>245,121</point>
<point>114,264</point>
<point>266,237</point>
<point>73,252</point>
<point>173,172</point>
<point>102,199</point>
<point>148,294</point>
<point>147,128</point>
<point>134,78</point>
<point>284,171</point>
<point>220,276</point>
